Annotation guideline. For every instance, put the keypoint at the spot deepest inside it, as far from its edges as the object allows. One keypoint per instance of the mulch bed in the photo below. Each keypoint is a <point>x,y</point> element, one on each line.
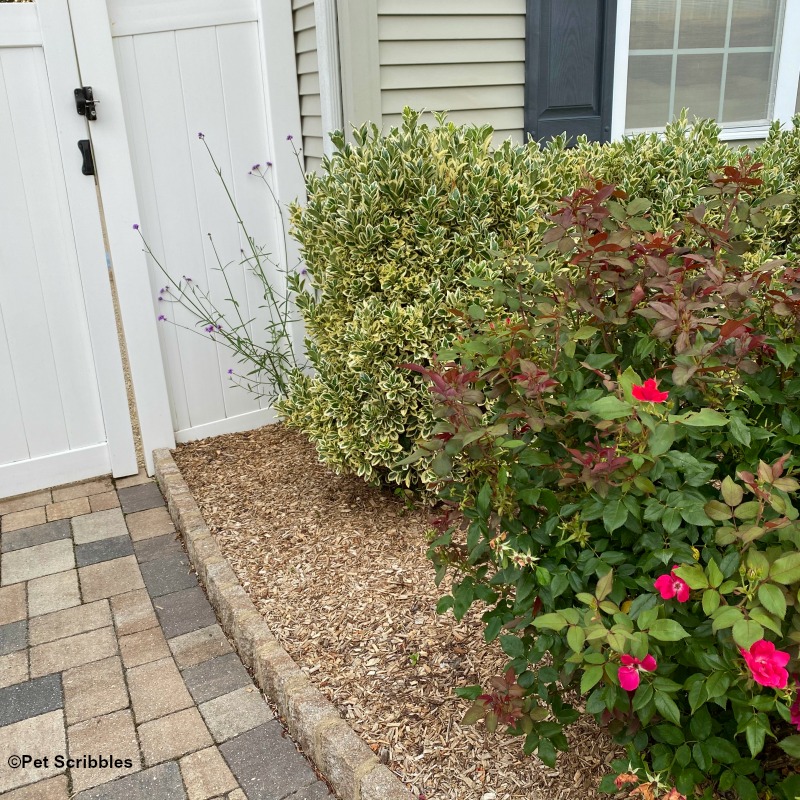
<point>338,570</point>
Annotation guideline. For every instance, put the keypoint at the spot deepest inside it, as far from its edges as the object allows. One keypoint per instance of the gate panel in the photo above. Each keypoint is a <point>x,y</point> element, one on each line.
<point>189,67</point>
<point>54,413</point>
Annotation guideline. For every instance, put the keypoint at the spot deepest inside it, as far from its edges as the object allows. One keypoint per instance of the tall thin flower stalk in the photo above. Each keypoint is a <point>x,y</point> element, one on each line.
<point>271,363</point>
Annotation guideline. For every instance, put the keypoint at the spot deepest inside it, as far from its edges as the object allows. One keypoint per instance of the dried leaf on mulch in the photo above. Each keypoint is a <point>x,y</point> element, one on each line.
<point>338,570</point>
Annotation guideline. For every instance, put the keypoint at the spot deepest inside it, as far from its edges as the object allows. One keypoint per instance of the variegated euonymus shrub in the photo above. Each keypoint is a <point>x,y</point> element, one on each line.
<point>618,458</point>
<point>405,233</point>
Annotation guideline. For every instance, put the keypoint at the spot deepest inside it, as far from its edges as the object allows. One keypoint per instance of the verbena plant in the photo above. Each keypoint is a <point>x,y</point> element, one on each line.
<point>616,459</point>
<point>269,360</point>
<point>400,230</point>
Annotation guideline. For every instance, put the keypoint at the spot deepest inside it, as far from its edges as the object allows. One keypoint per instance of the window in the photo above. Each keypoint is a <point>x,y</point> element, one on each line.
<point>735,61</point>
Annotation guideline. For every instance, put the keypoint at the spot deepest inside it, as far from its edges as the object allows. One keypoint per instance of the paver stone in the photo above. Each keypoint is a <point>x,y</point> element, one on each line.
<point>33,562</point>
<point>72,652</point>
<point>68,508</point>
<point>284,772</point>
<point>43,734</point>
<point>206,774</point>
<point>13,668</point>
<point>173,736</point>
<point>98,526</point>
<point>94,689</point>
<point>12,603</point>
<point>198,646</point>
<point>157,689</point>
<point>22,519</point>
<point>110,735</point>
<point>109,578</point>
<point>149,524</point>
<point>159,783</point>
<point>53,592</point>
<point>39,534</point>
<point>236,712</point>
<point>133,612</point>
<point>69,622</point>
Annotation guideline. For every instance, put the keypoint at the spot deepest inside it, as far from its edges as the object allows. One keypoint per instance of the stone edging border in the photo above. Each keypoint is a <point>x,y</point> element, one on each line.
<point>351,768</point>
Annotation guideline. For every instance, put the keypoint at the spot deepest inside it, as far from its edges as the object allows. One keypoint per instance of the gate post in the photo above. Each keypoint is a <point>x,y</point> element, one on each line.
<point>98,69</point>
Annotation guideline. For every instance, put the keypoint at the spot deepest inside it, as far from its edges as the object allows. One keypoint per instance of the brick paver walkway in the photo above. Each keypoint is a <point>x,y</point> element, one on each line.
<point>110,650</point>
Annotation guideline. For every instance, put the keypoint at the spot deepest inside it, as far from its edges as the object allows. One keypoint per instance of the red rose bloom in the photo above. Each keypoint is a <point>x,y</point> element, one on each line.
<point>669,586</point>
<point>648,392</point>
<point>767,664</point>
<point>628,673</point>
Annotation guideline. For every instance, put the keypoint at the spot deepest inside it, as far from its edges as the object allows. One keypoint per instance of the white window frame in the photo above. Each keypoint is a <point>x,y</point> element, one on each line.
<point>786,83</point>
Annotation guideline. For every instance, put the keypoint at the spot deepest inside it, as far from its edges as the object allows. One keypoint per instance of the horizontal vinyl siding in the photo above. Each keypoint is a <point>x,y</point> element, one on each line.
<point>466,57</point>
<point>305,43</point>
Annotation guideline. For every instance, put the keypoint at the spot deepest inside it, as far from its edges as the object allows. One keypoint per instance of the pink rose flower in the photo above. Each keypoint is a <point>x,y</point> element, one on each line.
<point>795,711</point>
<point>669,586</point>
<point>648,392</point>
<point>628,673</point>
<point>767,664</point>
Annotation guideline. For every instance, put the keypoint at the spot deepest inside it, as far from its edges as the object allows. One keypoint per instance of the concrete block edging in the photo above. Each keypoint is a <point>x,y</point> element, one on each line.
<point>352,769</point>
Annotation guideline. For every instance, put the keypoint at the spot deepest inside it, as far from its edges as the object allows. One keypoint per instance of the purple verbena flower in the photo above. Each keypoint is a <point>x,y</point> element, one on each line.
<point>289,137</point>
<point>201,136</point>
<point>161,317</point>
<point>269,163</point>
<point>256,167</point>
<point>136,226</point>
<point>209,329</point>
<point>230,372</point>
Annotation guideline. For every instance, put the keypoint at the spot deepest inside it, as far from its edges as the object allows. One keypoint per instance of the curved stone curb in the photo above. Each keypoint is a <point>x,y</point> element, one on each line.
<point>351,768</point>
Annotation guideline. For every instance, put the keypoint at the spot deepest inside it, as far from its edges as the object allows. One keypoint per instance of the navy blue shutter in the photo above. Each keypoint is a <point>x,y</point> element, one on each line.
<point>569,68</point>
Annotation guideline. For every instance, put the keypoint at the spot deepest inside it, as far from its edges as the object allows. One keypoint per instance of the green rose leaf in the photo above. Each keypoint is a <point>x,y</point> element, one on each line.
<point>772,599</point>
<point>717,684</point>
<point>693,575</point>
<point>704,418</point>
<point>786,569</point>
<point>615,514</point>
<point>665,706</point>
<point>576,638</point>
<point>610,407</point>
<point>791,745</point>
<point>591,677</point>
<point>722,750</point>
<point>711,601</point>
<point>717,511</point>
<point>474,713</point>
<point>726,617</point>
<point>552,622</point>
<point>732,493</point>
<point>667,630</point>
<point>512,646</point>
<point>746,632</point>
<point>661,439</point>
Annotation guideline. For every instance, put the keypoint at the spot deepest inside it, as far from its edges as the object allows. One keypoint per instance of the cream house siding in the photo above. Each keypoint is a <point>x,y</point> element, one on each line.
<point>451,55</point>
<point>305,41</point>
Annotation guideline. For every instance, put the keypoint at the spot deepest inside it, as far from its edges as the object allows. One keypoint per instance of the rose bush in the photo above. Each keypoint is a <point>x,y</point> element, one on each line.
<point>615,459</point>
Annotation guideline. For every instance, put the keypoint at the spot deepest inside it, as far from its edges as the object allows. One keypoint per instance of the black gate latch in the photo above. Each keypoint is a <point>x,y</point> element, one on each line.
<point>85,102</point>
<point>85,146</point>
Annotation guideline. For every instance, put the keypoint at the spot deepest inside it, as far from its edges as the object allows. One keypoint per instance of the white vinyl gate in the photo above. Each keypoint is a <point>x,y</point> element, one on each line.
<point>63,409</point>
<point>161,71</point>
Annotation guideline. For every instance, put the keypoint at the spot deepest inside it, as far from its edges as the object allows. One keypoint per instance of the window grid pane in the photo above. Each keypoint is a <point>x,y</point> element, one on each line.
<point>700,31</point>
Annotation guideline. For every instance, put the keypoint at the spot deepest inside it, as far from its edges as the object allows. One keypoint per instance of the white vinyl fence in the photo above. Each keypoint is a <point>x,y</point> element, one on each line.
<point>185,70</point>
<point>162,71</point>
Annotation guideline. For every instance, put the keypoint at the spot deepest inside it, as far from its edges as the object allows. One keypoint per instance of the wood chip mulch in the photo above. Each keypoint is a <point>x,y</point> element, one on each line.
<point>338,569</point>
